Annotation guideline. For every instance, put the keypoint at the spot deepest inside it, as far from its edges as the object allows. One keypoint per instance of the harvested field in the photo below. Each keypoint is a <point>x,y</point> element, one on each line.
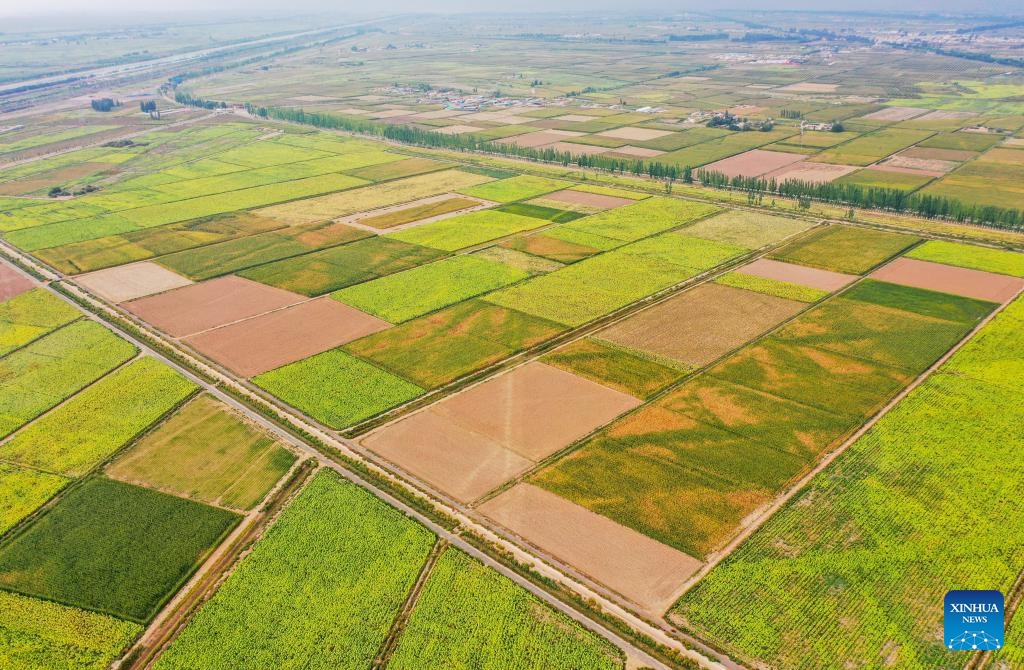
<point>895,114</point>
<point>127,282</point>
<point>641,569</point>
<point>191,309</point>
<point>815,173</point>
<point>750,230</point>
<point>754,163</point>
<point>12,282</point>
<point>595,200</point>
<point>946,115</point>
<point>810,87</point>
<point>539,138</point>
<point>636,152</point>
<point>698,326</point>
<point>284,336</point>
<point>824,280</point>
<point>574,117</point>
<point>948,279</point>
<point>535,410</point>
<point>458,129</point>
<point>447,456</point>
<point>634,134</point>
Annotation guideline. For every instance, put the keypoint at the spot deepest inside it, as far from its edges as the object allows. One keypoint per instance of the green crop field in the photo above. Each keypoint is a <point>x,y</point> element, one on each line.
<point>471,617</point>
<point>418,212</point>
<point>435,349</point>
<point>208,453</point>
<point>868,178</point>
<point>851,541</point>
<point>23,491</point>
<point>466,230</point>
<point>845,249</point>
<point>36,634</point>
<point>553,214</point>
<point>398,169</point>
<point>647,217</point>
<point>615,367</point>
<point>406,295</point>
<point>781,289</point>
<point>337,389</point>
<point>751,230</point>
<point>522,187</point>
<point>38,376</point>
<point>873,146</point>
<point>967,256</point>
<point>31,315</point>
<point>331,269</point>
<point>320,590</point>
<point>112,547</point>
<point>101,419</point>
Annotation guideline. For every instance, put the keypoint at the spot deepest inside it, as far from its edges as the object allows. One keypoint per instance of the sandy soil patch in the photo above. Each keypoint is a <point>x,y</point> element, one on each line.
<point>824,280</point>
<point>946,115</point>
<point>635,134</point>
<point>439,114</point>
<point>815,173</point>
<point>895,114</point>
<point>459,462</point>
<point>539,138</point>
<point>575,118</point>
<point>287,335</point>
<point>12,282</point>
<point>458,129</point>
<point>938,154</point>
<point>577,149</point>
<point>127,282</point>
<point>647,572</point>
<point>949,279</point>
<point>535,410</point>
<point>925,166</point>
<point>698,326</point>
<point>639,152</point>
<point>190,309</point>
<point>754,163</point>
<point>810,87</point>
<point>588,199</point>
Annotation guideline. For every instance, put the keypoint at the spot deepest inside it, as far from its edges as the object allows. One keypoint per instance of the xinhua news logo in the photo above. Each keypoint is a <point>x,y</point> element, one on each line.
<point>974,620</point>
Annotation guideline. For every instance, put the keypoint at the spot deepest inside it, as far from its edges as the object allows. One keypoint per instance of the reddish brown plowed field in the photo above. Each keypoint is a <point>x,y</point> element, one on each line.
<point>639,152</point>
<point>949,279</point>
<point>814,173</point>
<point>645,571</point>
<point>754,163</point>
<point>271,340</point>
<point>539,138</point>
<point>698,326</point>
<point>824,280</point>
<point>536,409</point>
<point>588,199</point>
<point>456,461</point>
<point>577,149</point>
<point>12,282</point>
<point>127,282</point>
<point>189,310</point>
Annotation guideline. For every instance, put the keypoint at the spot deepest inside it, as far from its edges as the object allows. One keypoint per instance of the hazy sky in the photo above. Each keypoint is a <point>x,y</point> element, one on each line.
<point>35,7</point>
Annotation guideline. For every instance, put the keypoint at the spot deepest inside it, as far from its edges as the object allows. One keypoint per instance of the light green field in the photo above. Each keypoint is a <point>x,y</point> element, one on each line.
<point>23,491</point>
<point>466,230</point>
<point>781,289</point>
<point>521,187</point>
<point>31,315</point>
<point>750,230</point>
<point>970,256</point>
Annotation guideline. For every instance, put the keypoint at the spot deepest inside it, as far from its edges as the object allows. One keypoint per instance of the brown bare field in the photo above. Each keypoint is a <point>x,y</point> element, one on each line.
<point>698,326</point>
<point>810,87</point>
<point>271,340</point>
<point>949,279</point>
<point>535,410</point>
<point>754,163</point>
<point>12,282</point>
<point>588,199</point>
<point>438,114</point>
<point>457,129</point>
<point>127,282</point>
<point>445,455</point>
<point>390,113</point>
<point>895,114</point>
<point>643,570</point>
<point>638,152</point>
<point>578,149</point>
<point>574,117</point>
<point>539,138</point>
<point>190,309</point>
<point>946,115</point>
<point>938,154</point>
<point>815,173</point>
<point>825,280</point>
<point>921,166</point>
<point>635,134</point>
